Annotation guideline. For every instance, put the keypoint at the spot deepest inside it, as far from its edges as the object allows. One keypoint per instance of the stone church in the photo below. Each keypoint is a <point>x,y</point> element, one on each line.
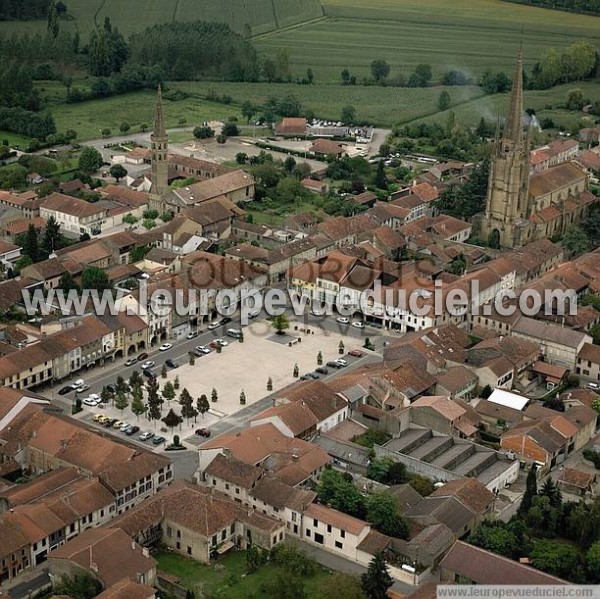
<point>521,208</point>
<point>215,182</point>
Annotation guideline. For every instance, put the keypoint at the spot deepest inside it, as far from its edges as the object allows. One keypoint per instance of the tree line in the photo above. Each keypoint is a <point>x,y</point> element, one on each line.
<point>23,10</point>
<point>589,7</point>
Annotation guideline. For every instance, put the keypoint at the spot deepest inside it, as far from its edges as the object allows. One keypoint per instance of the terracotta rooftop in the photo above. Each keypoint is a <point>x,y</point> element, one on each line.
<point>334,518</point>
<point>485,567</point>
<point>555,178</point>
<point>469,491</point>
<point>65,204</point>
<point>111,554</point>
<point>234,471</point>
<point>577,478</point>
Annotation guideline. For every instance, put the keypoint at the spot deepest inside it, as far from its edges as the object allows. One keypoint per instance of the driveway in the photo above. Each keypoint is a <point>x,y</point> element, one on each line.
<point>339,564</point>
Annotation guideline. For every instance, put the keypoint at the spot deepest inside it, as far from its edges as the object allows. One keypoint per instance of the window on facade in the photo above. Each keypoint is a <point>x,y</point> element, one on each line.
<point>329,528</point>
<point>308,532</point>
<point>214,540</point>
<point>227,486</point>
<point>189,550</point>
<point>315,522</point>
<point>169,531</point>
<point>343,534</point>
<point>339,545</point>
<point>179,534</point>
<point>223,534</point>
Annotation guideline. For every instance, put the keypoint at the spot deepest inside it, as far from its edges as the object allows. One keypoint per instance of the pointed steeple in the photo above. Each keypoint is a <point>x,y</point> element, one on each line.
<point>514,121</point>
<point>159,120</point>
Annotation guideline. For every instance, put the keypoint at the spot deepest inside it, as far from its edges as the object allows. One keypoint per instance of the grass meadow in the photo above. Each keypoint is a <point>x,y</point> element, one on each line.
<point>472,35</point>
<point>130,16</point>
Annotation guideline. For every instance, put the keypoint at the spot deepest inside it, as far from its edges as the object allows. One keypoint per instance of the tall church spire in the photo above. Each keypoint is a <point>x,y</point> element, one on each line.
<point>514,121</point>
<point>159,149</point>
<point>159,120</point>
<point>505,221</point>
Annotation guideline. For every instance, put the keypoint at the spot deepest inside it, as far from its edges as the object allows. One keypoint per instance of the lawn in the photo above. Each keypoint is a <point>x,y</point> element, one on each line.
<point>472,35</point>
<point>231,582</point>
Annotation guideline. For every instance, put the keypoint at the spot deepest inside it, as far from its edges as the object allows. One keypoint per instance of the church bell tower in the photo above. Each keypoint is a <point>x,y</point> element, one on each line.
<point>505,222</point>
<point>159,156</point>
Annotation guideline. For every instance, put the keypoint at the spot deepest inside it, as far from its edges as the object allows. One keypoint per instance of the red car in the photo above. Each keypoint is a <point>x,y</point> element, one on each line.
<point>356,353</point>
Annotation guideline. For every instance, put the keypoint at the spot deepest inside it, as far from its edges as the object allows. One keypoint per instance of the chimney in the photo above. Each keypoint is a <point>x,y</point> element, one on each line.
<point>145,552</point>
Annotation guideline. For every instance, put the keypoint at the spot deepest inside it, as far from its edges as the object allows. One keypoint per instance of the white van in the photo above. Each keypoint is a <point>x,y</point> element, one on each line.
<point>235,333</point>
<point>594,386</point>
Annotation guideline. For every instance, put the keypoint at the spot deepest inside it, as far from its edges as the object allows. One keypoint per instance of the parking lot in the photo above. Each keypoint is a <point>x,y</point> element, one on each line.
<point>245,366</point>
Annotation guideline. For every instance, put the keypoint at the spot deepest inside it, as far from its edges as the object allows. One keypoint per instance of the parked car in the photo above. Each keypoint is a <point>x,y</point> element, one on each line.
<point>132,430</point>
<point>214,325</point>
<point>149,374</point>
<point>322,370</point>
<point>235,333</point>
<point>253,313</point>
<point>343,363</point>
<point>89,401</point>
<point>203,432</point>
<point>192,335</point>
<point>82,388</point>
<point>147,435</point>
<point>158,440</point>
<point>171,363</point>
<point>317,313</point>
<point>593,386</point>
<point>343,319</point>
<point>100,417</point>
<point>225,320</point>
<point>202,349</point>
<point>65,390</point>
<point>130,361</point>
<point>111,387</point>
<point>333,364</point>
<point>355,353</point>
<point>78,383</point>
<point>118,424</point>
<point>108,423</point>
<point>218,343</point>
<point>142,357</point>
<point>124,427</point>
<point>148,364</point>
<point>165,347</point>
<point>358,324</point>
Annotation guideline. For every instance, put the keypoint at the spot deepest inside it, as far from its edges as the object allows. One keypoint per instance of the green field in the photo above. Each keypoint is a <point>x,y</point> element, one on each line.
<point>381,105</point>
<point>88,118</point>
<point>472,35</point>
<point>545,102</point>
<point>130,16</point>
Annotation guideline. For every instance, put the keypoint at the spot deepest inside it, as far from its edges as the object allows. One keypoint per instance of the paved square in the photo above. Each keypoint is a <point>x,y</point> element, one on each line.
<point>243,366</point>
<point>247,366</point>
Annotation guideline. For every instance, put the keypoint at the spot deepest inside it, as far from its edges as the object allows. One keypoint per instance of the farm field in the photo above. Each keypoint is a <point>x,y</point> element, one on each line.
<point>248,17</point>
<point>544,102</point>
<point>88,118</point>
<point>384,106</point>
<point>472,35</point>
